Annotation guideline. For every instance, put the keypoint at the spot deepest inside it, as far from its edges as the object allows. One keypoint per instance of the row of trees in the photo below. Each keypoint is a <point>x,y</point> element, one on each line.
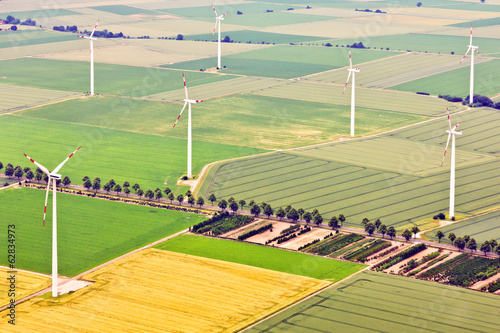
<point>470,243</point>
<point>39,175</point>
<point>379,227</point>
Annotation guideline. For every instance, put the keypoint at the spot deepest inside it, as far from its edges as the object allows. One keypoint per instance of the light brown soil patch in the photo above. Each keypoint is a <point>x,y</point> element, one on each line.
<point>452,255</point>
<point>478,285</point>
<point>395,269</point>
<point>393,243</point>
<point>254,225</point>
<point>306,238</point>
<point>277,228</point>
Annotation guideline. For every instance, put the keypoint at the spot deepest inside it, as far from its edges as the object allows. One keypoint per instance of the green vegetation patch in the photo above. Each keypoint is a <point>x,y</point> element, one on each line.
<point>478,23</point>
<point>40,14</point>
<point>90,231</point>
<point>372,301</point>
<point>12,39</point>
<point>257,37</point>
<point>331,245</point>
<point>261,256</point>
<point>109,79</point>
<point>125,10</point>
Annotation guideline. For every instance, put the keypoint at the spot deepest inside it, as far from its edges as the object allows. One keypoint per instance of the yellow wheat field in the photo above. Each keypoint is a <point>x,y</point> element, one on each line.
<point>25,284</point>
<point>161,291</point>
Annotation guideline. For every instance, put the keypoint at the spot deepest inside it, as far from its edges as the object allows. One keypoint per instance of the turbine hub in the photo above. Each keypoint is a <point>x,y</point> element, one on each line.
<point>55,176</point>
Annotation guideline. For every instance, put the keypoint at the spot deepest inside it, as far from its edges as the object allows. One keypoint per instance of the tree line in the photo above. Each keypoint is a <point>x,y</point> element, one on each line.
<point>470,243</point>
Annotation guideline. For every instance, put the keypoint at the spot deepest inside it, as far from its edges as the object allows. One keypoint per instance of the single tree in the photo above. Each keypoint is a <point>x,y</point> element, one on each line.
<point>26,169</point>
<point>293,215</point>
<point>171,197</point>
<point>167,191</point>
<point>301,212</point>
<point>493,243</point>
<point>200,201</point>
<point>180,198</point>
<point>140,192</point>
<point>188,193</point>
<point>314,212</point>
<point>66,181</point>
<point>452,237</point>
<point>382,230</point>
<point>263,205</point>
<point>334,222</point>
<point>288,208</point>
<point>149,194</point>
<point>112,182</point>
<point>96,185</point>
<point>212,198</point>
<point>406,234</point>
<point>485,247</point>
<point>234,206</point>
<point>223,204</point>
<point>419,4</point>
<point>39,176</point>
<point>117,189</point>
<point>255,210</point>
<point>365,221</point>
<point>30,175</point>
<point>231,199</point>
<point>1,166</point>
<point>158,195</point>
<point>459,243</point>
<point>242,204</point>
<point>341,219</point>
<point>191,200</point>
<point>370,228</point>
<point>83,179</point>
<point>18,172</point>
<point>307,217</point>
<point>126,190</point>
<point>251,203</point>
<point>497,250</point>
<point>268,210</point>
<point>471,244</point>
<point>280,213</point>
<point>107,187</point>
<point>318,219</point>
<point>378,223</point>
<point>87,184</point>
<point>9,171</point>
<point>466,238</point>
<point>125,184</point>
<point>45,178</point>
<point>439,235</point>
<point>136,187</point>
<point>415,230</point>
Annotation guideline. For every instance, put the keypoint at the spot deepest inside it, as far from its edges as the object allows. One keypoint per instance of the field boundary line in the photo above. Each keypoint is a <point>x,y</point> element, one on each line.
<point>77,95</point>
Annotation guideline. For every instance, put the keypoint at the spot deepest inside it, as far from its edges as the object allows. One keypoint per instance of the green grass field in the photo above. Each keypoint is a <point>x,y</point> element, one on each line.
<point>256,121</point>
<point>456,82</point>
<point>394,177</point>
<point>478,23</point>
<point>39,14</point>
<point>15,39</point>
<point>261,256</point>
<point>125,10</point>
<point>300,61</point>
<point>428,43</point>
<point>149,160</point>
<point>109,79</point>
<point>231,9</point>
<point>90,231</point>
<point>376,302</point>
<point>245,36</point>
<point>480,228</point>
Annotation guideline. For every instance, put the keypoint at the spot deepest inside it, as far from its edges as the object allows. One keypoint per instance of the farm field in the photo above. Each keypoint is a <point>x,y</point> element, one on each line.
<point>109,79</point>
<point>378,302</point>
<point>13,98</point>
<point>256,121</point>
<point>382,100</point>
<point>480,228</point>
<point>116,302</point>
<point>300,61</point>
<point>260,256</point>
<point>108,153</point>
<point>257,37</point>
<point>452,82</point>
<point>403,191</point>
<point>90,231</point>
<point>11,39</point>
<point>395,70</point>
<point>26,284</point>
<point>36,14</point>
<point>124,10</point>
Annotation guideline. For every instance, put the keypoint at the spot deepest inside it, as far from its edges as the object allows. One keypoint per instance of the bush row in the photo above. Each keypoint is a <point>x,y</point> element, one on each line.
<point>405,254</point>
<point>255,231</point>
<point>367,250</point>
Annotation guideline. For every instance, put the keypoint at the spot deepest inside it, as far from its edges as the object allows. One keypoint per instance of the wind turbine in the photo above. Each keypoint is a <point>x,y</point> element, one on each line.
<point>451,133</point>
<point>217,20</point>
<point>189,144</point>
<point>474,49</point>
<point>352,71</point>
<point>54,176</point>
<point>91,39</point>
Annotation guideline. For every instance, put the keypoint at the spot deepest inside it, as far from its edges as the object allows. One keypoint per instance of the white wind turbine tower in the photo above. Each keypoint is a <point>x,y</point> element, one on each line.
<point>451,133</point>
<point>91,38</point>
<point>53,176</point>
<point>217,21</point>
<point>473,49</point>
<point>352,71</point>
<point>189,143</point>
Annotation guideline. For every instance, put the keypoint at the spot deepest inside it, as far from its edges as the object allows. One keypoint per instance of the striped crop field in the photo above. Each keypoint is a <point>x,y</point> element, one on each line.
<point>394,177</point>
<point>193,295</point>
<point>392,71</point>
<point>383,100</point>
<point>376,302</point>
<point>11,39</point>
<point>13,98</point>
<point>26,283</point>
<point>481,228</point>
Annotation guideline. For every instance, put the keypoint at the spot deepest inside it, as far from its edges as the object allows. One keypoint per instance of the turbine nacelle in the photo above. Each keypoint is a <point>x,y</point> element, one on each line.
<point>193,101</point>
<point>55,176</point>
<point>355,70</point>
<point>453,132</point>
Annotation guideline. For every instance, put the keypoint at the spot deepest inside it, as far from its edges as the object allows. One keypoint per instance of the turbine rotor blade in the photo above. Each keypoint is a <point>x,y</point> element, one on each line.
<point>215,10</point>
<point>44,169</point>
<point>347,82</point>
<point>465,55</point>
<point>46,199</point>
<point>95,27</point>
<point>185,87</point>
<point>215,27</point>
<point>470,34</point>
<point>56,170</point>
<point>447,143</point>
<point>449,120</point>
<point>223,15</point>
<point>180,114</point>
<point>350,59</point>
